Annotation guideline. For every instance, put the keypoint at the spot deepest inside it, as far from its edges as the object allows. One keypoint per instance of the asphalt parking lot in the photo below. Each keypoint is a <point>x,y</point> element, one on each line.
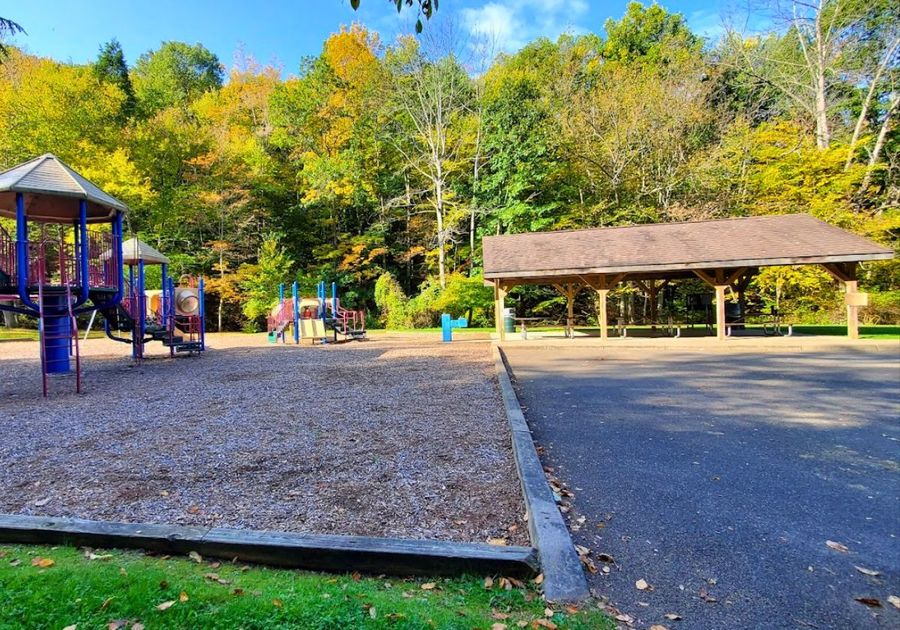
<point>718,478</point>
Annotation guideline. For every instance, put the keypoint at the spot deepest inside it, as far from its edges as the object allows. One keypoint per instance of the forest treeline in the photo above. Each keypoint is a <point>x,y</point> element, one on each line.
<point>381,165</point>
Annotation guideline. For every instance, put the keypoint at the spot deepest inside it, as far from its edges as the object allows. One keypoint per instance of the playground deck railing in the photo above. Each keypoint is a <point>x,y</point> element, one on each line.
<point>53,259</point>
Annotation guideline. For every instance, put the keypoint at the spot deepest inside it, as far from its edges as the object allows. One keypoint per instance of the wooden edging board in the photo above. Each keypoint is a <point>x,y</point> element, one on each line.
<point>307,551</point>
<point>564,579</point>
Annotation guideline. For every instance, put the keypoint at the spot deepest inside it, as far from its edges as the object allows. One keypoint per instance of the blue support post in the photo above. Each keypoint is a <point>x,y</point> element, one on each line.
<point>334,300</point>
<point>84,253</point>
<point>201,289</point>
<point>281,293</point>
<point>22,254</point>
<point>164,271</point>
<point>142,309</point>
<point>320,294</point>
<point>295,292</point>
<point>170,326</point>
<point>448,324</point>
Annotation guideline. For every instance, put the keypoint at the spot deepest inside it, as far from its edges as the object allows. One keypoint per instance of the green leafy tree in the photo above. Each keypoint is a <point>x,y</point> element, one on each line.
<point>175,75</point>
<point>259,281</point>
<point>111,67</point>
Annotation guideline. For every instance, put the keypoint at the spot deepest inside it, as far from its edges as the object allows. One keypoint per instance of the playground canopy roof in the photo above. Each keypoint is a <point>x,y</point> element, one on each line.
<point>51,191</point>
<point>135,250</point>
<point>670,250</point>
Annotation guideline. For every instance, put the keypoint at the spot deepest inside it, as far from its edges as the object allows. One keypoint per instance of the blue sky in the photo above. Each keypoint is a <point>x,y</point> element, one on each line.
<point>281,32</point>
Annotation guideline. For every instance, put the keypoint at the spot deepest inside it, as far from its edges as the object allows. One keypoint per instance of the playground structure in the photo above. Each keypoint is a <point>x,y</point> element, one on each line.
<point>173,315</point>
<point>314,318</point>
<point>67,259</point>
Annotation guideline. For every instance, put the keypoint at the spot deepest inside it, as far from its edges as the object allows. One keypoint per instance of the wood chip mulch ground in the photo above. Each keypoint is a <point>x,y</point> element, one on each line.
<point>398,437</point>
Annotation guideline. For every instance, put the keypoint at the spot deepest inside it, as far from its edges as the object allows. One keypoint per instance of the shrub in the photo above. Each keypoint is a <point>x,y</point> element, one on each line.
<point>392,302</point>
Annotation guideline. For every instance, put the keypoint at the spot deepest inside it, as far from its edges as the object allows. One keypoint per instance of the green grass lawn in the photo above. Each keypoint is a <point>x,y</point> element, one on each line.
<point>885,333</point>
<point>31,334</point>
<point>167,592</point>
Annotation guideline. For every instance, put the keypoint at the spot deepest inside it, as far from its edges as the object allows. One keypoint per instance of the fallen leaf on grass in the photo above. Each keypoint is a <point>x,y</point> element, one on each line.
<point>508,583</point>
<point>869,601</point>
<point>106,603</point>
<point>488,583</point>
<point>116,624</point>
<point>44,563</point>
<point>214,577</point>
<point>548,612</point>
<point>428,586</point>
<point>15,563</point>
<point>163,584</point>
<point>137,625</point>
<point>543,623</point>
<point>395,616</point>
<point>183,597</point>
<point>166,605</point>
<point>196,557</point>
<point>90,555</point>
<point>837,546</point>
<point>672,616</point>
<point>237,592</point>
<point>277,603</point>
<point>865,571</point>
<point>894,601</point>
<point>498,626</point>
<point>499,615</point>
<point>72,627</point>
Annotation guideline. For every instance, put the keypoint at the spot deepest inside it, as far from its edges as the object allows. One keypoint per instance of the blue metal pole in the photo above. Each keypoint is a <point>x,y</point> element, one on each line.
<point>22,254</point>
<point>164,271</point>
<point>334,300</point>
<point>281,293</point>
<point>295,291</point>
<point>142,307</point>
<point>85,252</point>
<point>202,292</point>
<point>320,293</point>
<point>132,295</point>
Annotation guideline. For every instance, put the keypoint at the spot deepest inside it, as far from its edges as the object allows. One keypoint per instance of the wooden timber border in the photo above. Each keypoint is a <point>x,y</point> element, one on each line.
<point>564,579</point>
<point>306,551</point>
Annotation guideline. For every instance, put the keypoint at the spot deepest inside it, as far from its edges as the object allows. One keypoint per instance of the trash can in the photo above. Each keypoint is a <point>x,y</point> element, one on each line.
<point>509,320</point>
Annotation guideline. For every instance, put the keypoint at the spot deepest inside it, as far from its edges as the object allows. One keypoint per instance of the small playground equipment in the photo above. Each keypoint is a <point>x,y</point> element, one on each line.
<point>54,269</point>
<point>314,318</point>
<point>173,315</point>
<point>448,324</point>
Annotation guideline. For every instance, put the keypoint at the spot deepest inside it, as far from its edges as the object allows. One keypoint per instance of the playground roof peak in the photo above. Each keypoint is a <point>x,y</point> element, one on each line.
<point>135,250</point>
<point>50,186</point>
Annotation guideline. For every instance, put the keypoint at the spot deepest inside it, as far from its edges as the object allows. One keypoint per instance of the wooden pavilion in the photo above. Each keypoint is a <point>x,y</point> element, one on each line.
<point>723,253</point>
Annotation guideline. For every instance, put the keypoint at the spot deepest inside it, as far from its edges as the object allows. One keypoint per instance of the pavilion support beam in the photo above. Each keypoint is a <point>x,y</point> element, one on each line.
<point>569,291</point>
<point>719,280</point>
<point>603,284</point>
<point>846,273</point>
<point>500,291</point>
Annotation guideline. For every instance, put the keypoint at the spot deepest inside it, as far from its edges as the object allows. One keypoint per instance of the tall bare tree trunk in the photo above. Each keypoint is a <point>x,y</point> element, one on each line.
<point>864,112</point>
<point>879,143</point>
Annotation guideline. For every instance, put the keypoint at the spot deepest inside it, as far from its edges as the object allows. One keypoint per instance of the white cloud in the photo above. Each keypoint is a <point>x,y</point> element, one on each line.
<point>513,23</point>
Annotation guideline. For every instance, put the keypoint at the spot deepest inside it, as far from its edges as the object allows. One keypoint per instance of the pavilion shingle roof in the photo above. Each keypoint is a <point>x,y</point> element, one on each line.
<point>751,241</point>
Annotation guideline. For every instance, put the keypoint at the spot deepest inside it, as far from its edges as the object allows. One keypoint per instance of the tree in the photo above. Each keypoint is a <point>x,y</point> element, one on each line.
<point>175,75</point>
<point>8,28</point>
<point>110,67</point>
<point>432,98</point>
<point>426,8</point>
<point>649,34</point>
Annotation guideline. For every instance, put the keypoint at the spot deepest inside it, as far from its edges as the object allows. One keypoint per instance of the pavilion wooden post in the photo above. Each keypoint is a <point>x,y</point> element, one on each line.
<point>720,281</point>
<point>569,290</point>
<point>846,273</point>
<point>499,297</point>
<point>602,284</point>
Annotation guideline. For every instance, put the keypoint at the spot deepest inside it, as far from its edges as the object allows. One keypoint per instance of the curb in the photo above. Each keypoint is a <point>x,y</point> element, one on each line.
<point>564,579</point>
<point>305,551</point>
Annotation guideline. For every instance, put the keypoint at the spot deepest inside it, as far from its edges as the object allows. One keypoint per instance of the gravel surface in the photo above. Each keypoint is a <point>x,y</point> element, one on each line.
<point>399,437</point>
